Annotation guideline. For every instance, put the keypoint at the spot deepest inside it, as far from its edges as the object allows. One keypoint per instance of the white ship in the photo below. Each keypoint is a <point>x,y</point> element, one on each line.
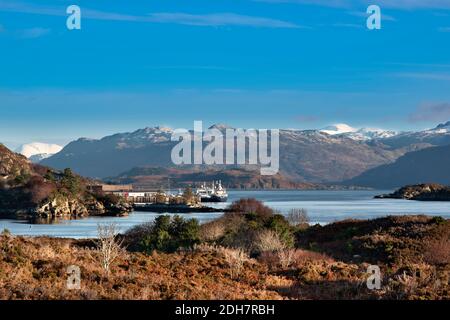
<point>215,193</point>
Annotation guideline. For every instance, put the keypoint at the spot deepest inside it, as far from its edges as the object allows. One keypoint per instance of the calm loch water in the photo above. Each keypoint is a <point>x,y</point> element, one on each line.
<point>322,206</point>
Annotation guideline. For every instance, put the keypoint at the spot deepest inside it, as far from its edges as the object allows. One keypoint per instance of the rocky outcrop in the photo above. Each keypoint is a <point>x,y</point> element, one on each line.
<point>12,164</point>
<point>63,206</point>
<point>30,190</point>
<point>421,192</point>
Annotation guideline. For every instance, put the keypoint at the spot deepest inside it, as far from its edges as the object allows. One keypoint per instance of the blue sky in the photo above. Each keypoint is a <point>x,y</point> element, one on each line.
<point>264,64</point>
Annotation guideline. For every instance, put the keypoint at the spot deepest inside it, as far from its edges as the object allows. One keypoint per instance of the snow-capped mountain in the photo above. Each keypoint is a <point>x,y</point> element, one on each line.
<point>338,128</point>
<point>37,151</point>
<point>144,136</point>
<point>442,128</point>
<point>363,134</point>
<point>305,155</point>
<point>440,135</point>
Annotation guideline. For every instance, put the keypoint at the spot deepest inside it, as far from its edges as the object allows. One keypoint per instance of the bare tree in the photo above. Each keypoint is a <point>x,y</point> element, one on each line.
<point>286,257</point>
<point>212,231</point>
<point>108,246</point>
<point>235,259</point>
<point>298,217</point>
<point>269,241</point>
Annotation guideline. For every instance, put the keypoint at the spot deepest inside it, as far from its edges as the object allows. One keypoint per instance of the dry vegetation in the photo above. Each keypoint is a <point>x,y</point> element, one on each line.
<point>323,262</point>
<point>35,268</point>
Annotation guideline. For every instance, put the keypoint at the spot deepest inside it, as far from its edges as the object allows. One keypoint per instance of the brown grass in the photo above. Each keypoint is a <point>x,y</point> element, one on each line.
<point>412,253</point>
<point>35,268</point>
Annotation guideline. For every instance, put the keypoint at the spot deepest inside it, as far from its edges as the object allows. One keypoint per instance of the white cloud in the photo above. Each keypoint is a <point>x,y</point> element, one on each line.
<point>431,112</point>
<point>348,25</point>
<point>426,76</point>
<point>33,33</point>
<point>219,19</point>
<point>213,19</point>
<point>395,4</point>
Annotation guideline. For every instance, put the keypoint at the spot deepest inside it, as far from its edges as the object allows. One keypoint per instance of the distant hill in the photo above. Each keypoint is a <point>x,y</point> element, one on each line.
<point>115,154</point>
<point>431,165</point>
<point>235,178</point>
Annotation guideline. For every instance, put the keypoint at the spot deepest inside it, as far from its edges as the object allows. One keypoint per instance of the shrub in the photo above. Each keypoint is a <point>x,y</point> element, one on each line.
<point>437,251</point>
<point>295,258</point>
<point>286,257</point>
<point>235,259</point>
<point>212,232</point>
<point>280,225</point>
<point>241,228</point>
<point>268,240</point>
<point>298,217</point>
<point>71,182</point>
<point>438,220</point>
<point>108,199</point>
<point>164,234</point>
<point>40,169</point>
<point>39,189</point>
<point>20,179</point>
<point>5,232</point>
<point>250,205</point>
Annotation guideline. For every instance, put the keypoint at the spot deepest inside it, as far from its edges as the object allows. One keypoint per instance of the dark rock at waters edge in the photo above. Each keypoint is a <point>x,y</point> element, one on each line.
<point>168,208</point>
<point>420,192</point>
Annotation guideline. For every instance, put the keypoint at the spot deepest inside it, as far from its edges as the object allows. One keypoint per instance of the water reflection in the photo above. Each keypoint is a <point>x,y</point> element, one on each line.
<point>50,220</point>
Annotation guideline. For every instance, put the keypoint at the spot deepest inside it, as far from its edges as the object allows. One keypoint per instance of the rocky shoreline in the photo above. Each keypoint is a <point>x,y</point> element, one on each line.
<point>421,192</point>
<point>64,208</point>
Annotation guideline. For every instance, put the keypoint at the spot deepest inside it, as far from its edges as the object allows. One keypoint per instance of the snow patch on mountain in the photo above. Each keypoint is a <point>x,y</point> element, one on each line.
<point>363,134</point>
<point>442,128</point>
<point>42,150</point>
<point>338,128</point>
<point>370,134</point>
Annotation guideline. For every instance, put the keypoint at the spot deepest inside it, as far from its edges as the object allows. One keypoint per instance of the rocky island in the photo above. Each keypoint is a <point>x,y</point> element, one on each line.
<point>421,192</point>
<point>31,190</point>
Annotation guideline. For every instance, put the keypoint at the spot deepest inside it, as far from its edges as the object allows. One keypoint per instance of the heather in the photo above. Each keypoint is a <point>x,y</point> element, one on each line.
<point>250,253</point>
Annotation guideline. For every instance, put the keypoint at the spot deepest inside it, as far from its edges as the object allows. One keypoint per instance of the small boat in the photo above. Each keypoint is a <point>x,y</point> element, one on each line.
<point>216,193</point>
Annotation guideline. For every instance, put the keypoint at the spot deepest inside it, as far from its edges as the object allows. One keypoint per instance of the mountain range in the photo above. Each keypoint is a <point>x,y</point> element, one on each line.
<point>334,154</point>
